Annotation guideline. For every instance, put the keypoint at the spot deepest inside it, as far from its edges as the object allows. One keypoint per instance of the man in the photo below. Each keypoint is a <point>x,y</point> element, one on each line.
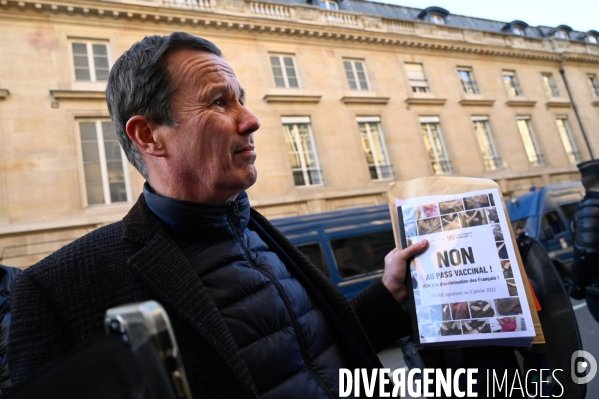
<point>585,227</point>
<point>252,316</point>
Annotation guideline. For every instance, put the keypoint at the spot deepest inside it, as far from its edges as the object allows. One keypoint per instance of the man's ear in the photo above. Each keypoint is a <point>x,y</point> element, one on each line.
<point>143,133</point>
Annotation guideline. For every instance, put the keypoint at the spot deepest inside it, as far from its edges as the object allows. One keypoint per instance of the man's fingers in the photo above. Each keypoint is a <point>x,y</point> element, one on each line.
<point>414,249</point>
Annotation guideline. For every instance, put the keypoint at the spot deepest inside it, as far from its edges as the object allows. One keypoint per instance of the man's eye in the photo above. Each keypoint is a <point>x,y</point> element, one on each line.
<point>218,102</point>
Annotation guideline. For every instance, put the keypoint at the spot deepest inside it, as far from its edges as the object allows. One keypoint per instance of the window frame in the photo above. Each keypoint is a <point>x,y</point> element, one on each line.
<point>535,159</point>
<point>281,57</point>
<point>567,139</point>
<point>441,163</point>
<point>303,168</point>
<point>515,84</point>
<point>492,161</point>
<point>376,122</point>
<point>353,62</point>
<point>549,85</point>
<point>91,63</point>
<point>328,4</point>
<point>593,84</point>
<point>471,83</point>
<point>97,121</point>
<point>409,67</point>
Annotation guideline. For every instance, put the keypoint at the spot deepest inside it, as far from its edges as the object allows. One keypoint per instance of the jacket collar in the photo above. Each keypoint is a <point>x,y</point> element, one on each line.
<point>168,273</point>
<point>197,222</point>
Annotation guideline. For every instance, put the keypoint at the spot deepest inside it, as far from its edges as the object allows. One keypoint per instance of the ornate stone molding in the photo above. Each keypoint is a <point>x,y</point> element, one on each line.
<point>425,101</point>
<point>365,100</point>
<point>4,93</point>
<point>476,102</point>
<point>305,21</point>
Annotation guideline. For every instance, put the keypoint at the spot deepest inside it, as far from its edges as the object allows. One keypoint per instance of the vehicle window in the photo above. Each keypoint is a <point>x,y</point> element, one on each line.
<point>528,224</point>
<point>552,220</point>
<point>568,210</point>
<point>362,254</point>
<point>314,253</point>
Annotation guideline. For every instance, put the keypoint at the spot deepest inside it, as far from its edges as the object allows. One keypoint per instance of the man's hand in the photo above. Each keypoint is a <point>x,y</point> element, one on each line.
<point>396,262</point>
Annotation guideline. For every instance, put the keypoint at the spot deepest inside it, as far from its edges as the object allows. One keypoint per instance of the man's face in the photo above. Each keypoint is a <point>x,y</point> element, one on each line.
<point>210,152</point>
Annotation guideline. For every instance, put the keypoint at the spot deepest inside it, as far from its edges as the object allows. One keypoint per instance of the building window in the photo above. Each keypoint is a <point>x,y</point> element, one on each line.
<point>436,19</point>
<point>467,80</point>
<point>328,4</point>
<point>302,152</point>
<point>486,143</point>
<point>591,39</point>
<point>549,85</point>
<point>516,30</point>
<point>511,83</point>
<point>594,85</point>
<point>90,61</point>
<point>374,147</point>
<point>104,164</point>
<point>567,140</point>
<point>284,71</point>
<point>356,74</point>
<point>416,77</point>
<point>530,143</point>
<point>561,34</point>
<point>433,140</point>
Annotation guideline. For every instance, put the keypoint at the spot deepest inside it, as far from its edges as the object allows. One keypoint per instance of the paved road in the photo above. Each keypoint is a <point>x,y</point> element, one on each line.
<point>589,333</point>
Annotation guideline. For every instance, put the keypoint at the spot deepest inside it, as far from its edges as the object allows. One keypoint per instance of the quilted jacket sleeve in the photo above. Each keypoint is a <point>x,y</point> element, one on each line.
<point>36,336</point>
<point>381,316</point>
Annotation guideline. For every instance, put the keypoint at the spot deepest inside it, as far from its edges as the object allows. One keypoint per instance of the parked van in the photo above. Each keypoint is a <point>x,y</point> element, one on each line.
<point>349,246</point>
<point>546,215</point>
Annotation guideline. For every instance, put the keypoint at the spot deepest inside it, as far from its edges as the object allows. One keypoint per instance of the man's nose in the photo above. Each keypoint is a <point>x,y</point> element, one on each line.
<point>247,123</point>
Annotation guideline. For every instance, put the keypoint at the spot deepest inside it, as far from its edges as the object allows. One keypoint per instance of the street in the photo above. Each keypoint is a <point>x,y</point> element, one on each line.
<point>392,357</point>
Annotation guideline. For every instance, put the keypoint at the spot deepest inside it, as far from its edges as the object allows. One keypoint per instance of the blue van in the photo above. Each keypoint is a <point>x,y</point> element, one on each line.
<point>349,246</point>
<point>546,215</point>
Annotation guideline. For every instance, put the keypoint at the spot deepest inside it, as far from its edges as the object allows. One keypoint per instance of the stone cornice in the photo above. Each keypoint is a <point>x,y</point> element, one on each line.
<point>350,99</point>
<point>292,98</point>
<point>302,21</point>
<point>520,103</point>
<point>77,95</point>
<point>425,101</point>
<point>476,102</point>
<point>4,93</point>
<point>558,103</point>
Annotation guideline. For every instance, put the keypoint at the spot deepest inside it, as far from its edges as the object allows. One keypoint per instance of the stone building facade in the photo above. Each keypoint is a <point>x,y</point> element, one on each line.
<point>351,95</point>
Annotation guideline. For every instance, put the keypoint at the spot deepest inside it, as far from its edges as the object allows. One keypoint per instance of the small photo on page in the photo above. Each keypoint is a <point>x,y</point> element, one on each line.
<point>476,201</point>
<point>436,312</point>
<point>410,213</point>
<point>459,311</point>
<point>511,324</point>
<point>511,287</point>
<point>506,265</point>
<point>430,210</point>
<point>475,218</point>
<point>429,226</point>
<point>447,312</point>
<point>428,330</point>
<point>480,309</point>
<point>453,206</point>
<point>423,314</point>
<point>508,306</point>
<point>492,215</point>
<point>476,327</point>
<point>410,229</point>
<point>497,233</point>
<point>451,222</point>
<point>501,250</point>
<point>450,328</point>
